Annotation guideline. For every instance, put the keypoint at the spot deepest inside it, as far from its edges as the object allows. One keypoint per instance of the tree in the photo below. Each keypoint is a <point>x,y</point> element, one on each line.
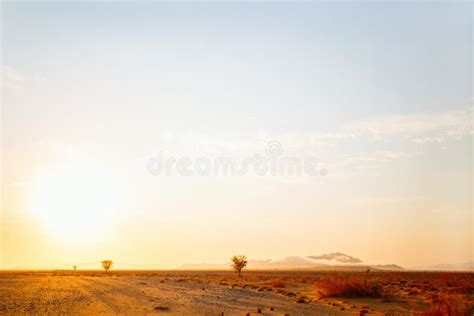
<point>239,263</point>
<point>74,267</point>
<point>107,264</point>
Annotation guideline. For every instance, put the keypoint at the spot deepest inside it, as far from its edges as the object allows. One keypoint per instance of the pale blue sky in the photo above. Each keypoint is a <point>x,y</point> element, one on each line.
<point>381,93</point>
<point>337,61</point>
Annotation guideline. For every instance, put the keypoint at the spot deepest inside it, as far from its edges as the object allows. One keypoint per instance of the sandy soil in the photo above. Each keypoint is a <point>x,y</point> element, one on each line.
<point>129,293</point>
<point>223,293</point>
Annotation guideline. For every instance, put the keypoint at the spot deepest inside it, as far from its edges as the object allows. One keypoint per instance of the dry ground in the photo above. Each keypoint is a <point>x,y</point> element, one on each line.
<point>214,293</point>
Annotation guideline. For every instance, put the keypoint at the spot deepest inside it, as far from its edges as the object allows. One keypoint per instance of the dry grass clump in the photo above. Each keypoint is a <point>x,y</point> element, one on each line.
<point>278,283</point>
<point>450,307</point>
<point>348,286</point>
<point>162,308</point>
<point>302,299</point>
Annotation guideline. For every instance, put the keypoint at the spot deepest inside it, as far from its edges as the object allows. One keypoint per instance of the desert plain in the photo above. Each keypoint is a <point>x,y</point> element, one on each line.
<point>224,293</point>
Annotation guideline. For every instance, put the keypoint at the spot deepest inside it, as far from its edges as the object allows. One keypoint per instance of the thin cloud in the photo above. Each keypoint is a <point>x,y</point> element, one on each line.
<point>428,140</point>
<point>438,127</point>
<point>11,78</point>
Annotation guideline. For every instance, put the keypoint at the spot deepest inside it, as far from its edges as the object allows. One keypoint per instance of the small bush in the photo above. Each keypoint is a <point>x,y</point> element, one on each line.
<point>449,308</point>
<point>162,308</point>
<point>280,283</point>
<point>349,287</point>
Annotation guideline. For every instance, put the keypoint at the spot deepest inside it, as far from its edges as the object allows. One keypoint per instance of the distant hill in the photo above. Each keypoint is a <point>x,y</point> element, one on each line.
<point>387,267</point>
<point>465,266</point>
<point>332,261</point>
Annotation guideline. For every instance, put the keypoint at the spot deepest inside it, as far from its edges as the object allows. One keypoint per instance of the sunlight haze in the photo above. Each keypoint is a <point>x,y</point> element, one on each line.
<point>380,94</point>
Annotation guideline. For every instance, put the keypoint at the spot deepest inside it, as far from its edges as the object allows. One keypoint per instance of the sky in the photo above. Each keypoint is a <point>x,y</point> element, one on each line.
<point>95,95</point>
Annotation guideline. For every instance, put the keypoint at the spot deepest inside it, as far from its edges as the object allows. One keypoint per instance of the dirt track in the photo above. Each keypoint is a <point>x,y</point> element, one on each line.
<point>96,293</point>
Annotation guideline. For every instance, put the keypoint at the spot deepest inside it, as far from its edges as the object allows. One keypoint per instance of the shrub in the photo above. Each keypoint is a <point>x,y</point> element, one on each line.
<point>107,264</point>
<point>280,283</point>
<point>238,263</point>
<point>449,307</point>
<point>349,287</point>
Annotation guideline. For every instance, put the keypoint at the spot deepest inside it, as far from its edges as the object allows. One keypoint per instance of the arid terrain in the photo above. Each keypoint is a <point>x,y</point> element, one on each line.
<point>223,293</point>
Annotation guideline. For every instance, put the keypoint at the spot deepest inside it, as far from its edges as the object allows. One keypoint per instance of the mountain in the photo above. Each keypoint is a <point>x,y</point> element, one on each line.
<point>465,266</point>
<point>293,262</point>
<point>386,267</point>
<point>331,261</point>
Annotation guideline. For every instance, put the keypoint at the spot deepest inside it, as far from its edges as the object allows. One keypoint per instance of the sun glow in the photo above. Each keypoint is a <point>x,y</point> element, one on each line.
<point>75,203</point>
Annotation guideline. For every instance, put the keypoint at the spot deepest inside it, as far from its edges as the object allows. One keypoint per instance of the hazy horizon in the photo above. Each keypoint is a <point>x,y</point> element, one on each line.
<point>225,265</point>
<point>378,95</point>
